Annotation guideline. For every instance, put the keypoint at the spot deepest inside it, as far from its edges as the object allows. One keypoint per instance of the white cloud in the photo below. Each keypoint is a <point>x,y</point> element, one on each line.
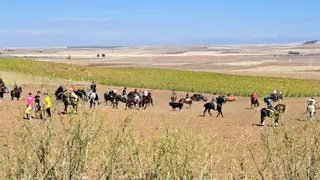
<point>81,20</point>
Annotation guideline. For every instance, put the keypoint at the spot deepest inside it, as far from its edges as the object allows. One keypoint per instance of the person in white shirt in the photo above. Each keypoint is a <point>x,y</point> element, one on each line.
<point>145,93</point>
<point>107,91</point>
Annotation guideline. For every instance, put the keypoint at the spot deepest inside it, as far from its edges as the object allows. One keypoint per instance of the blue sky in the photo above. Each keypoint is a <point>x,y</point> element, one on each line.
<point>142,22</point>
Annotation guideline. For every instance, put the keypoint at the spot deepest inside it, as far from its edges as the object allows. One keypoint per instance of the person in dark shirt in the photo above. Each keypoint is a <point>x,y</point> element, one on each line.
<point>124,92</point>
<point>38,105</point>
<point>93,87</point>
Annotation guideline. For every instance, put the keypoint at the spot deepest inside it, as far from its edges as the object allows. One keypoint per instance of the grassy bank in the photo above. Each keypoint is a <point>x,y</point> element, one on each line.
<point>189,81</point>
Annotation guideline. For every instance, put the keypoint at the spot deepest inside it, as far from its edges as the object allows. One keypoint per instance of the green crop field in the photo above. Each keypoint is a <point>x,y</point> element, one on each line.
<point>190,81</point>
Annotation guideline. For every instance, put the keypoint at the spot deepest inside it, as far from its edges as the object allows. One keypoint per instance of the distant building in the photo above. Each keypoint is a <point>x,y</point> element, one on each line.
<point>294,53</point>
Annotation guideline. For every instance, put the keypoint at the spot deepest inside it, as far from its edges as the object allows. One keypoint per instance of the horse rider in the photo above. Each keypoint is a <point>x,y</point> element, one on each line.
<point>107,91</point>
<point>93,87</point>
<point>188,97</point>
<point>140,93</point>
<point>254,96</point>
<point>115,91</point>
<point>312,102</point>
<point>135,92</point>
<point>73,94</point>
<point>174,94</point>
<point>269,105</point>
<point>275,94</point>
<point>37,105</point>
<point>16,86</point>
<point>124,92</point>
<point>145,93</point>
<point>214,100</point>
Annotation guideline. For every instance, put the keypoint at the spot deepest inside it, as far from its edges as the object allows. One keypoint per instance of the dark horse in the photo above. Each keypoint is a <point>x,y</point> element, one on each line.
<point>3,90</point>
<point>209,105</point>
<point>254,102</point>
<point>59,93</point>
<point>146,100</point>
<point>15,93</point>
<point>129,101</point>
<point>81,93</point>
<point>175,105</point>
<point>132,100</point>
<point>265,112</point>
<point>67,100</point>
<point>110,97</point>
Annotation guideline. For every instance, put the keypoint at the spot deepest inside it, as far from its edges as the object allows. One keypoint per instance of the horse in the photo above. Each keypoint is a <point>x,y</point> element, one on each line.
<point>189,102</point>
<point>117,99</point>
<point>3,90</point>
<point>15,93</point>
<point>145,101</point>
<point>174,98</point>
<point>175,105</point>
<point>311,112</point>
<point>59,93</point>
<point>209,105</point>
<point>93,99</point>
<point>81,93</point>
<point>111,96</point>
<point>69,100</point>
<point>132,99</point>
<point>254,102</point>
<point>265,112</point>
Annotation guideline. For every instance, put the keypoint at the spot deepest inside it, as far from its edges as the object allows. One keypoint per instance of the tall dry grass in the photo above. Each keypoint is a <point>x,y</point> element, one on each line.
<point>78,147</point>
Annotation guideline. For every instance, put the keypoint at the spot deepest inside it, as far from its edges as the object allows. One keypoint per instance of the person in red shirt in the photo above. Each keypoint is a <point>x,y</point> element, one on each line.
<point>29,101</point>
<point>254,96</point>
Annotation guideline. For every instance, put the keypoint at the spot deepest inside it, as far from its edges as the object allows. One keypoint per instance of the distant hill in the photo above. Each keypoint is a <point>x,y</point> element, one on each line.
<point>311,42</point>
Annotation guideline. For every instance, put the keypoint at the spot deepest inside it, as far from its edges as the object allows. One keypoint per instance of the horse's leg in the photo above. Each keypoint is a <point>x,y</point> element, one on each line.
<point>65,108</point>
<point>262,118</point>
<point>209,111</point>
<point>205,111</point>
<point>276,120</point>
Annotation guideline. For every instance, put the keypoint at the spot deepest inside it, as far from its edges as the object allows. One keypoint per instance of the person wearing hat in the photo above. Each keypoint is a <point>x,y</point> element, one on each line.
<point>48,105</point>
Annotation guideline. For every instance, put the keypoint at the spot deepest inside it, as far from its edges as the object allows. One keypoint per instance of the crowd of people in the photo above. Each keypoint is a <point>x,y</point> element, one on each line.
<point>34,104</point>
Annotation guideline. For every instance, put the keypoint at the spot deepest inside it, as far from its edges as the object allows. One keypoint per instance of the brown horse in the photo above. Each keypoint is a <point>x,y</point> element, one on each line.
<point>184,100</point>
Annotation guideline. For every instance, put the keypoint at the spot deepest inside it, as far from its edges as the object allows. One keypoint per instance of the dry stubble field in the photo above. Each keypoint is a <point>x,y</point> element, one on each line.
<point>231,136</point>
